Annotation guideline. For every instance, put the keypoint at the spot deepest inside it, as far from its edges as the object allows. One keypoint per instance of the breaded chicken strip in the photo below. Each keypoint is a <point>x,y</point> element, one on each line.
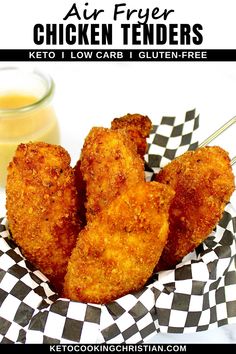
<point>117,252</point>
<point>137,126</point>
<point>203,182</point>
<point>109,163</point>
<point>81,192</point>
<point>42,207</point>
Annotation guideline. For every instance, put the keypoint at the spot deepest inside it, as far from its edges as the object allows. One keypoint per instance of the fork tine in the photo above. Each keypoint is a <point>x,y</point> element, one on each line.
<point>233,160</point>
<point>218,132</point>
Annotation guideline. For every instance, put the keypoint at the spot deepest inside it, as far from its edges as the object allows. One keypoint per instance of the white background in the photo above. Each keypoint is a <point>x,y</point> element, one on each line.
<point>92,94</point>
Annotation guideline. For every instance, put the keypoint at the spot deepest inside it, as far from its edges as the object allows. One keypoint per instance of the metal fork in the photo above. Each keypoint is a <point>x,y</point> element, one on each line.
<point>217,133</point>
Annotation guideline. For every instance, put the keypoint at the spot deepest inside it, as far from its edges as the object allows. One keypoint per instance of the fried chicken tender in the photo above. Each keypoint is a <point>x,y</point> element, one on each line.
<point>138,128</point>
<point>81,192</point>
<point>109,163</point>
<point>117,252</point>
<point>203,182</point>
<point>42,207</point>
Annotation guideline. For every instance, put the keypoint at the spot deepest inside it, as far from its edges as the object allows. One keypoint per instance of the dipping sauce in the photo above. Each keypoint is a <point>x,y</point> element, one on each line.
<point>16,100</point>
<point>24,117</point>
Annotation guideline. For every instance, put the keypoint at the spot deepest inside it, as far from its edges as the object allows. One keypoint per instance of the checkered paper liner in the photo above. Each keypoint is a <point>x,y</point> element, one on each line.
<point>200,293</point>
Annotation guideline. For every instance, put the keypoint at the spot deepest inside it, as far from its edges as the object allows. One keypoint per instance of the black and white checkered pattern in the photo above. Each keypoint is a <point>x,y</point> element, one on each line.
<point>200,293</point>
<point>170,139</point>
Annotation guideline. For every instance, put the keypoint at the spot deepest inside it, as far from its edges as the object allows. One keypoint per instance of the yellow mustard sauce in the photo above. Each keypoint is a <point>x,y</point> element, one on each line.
<point>16,100</point>
<point>23,125</point>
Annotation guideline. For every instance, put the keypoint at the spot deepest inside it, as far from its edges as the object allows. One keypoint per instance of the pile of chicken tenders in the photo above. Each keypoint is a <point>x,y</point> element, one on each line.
<point>98,230</point>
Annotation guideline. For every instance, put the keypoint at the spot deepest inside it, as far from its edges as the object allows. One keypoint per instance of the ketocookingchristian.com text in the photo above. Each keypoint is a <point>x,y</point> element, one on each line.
<point>174,348</point>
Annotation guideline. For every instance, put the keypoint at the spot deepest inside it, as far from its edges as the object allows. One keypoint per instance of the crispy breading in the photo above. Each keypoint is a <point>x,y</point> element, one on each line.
<point>203,182</point>
<point>42,207</point>
<point>81,191</point>
<point>109,163</point>
<point>137,126</point>
<point>116,253</point>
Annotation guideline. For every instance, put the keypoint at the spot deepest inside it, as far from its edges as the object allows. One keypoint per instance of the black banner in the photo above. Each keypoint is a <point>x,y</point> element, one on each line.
<point>110,348</point>
<point>117,55</point>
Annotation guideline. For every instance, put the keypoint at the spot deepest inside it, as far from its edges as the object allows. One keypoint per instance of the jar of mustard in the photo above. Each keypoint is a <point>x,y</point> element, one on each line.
<point>26,112</point>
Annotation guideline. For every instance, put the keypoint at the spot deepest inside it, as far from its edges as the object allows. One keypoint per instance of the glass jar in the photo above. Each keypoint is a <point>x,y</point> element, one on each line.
<point>26,112</point>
